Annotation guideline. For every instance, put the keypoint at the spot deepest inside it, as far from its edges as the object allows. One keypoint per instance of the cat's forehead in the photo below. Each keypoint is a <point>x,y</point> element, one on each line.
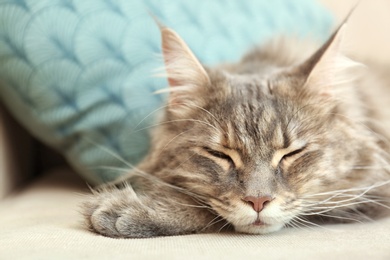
<point>252,116</point>
<point>248,84</point>
<point>248,126</point>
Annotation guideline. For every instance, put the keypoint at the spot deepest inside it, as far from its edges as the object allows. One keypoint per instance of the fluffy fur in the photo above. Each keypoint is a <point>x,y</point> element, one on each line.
<point>283,123</point>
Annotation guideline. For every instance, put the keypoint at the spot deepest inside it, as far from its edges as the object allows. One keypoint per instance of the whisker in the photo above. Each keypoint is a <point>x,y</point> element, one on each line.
<point>308,223</point>
<point>110,168</point>
<point>370,167</point>
<point>113,154</point>
<point>227,224</point>
<point>351,197</point>
<point>200,205</point>
<point>337,195</point>
<point>293,224</point>
<point>294,116</point>
<point>213,116</point>
<point>331,216</point>
<point>376,185</point>
<point>148,115</point>
<point>362,215</point>
<point>178,120</point>
<point>302,224</point>
<point>213,222</point>
<point>178,135</point>
<point>325,209</point>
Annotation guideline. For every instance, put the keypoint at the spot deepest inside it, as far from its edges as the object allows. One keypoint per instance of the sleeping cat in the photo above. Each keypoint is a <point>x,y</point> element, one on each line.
<point>284,137</point>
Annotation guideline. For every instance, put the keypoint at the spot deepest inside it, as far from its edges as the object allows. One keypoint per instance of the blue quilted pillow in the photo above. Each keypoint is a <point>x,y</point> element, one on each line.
<point>78,74</point>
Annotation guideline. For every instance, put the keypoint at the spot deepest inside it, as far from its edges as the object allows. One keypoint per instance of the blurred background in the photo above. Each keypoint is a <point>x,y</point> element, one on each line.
<point>368,33</point>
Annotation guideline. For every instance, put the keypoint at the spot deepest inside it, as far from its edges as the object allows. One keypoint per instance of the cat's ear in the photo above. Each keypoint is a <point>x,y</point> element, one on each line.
<point>327,67</point>
<point>184,71</point>
<point>182,67</point>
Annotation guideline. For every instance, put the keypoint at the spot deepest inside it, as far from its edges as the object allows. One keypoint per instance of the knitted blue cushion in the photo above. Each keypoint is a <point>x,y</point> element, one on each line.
<point>78,74</point>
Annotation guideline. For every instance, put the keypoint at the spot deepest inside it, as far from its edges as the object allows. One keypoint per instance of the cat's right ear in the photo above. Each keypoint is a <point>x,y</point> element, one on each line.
<point>328,67</point>
<point>185,73</point>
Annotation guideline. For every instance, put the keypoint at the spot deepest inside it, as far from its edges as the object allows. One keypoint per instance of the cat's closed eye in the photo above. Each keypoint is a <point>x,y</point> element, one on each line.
<point>293,154</point>
<point>290,157</point>
<point>220,155</point>
<point>285,157</point>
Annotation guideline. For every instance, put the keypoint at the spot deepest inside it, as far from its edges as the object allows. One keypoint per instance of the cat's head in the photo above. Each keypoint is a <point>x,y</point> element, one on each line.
<point>260,147</point>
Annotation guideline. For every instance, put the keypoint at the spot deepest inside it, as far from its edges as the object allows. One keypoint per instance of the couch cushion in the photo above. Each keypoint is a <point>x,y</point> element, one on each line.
<point>79,74</point>
<point>43,222</point>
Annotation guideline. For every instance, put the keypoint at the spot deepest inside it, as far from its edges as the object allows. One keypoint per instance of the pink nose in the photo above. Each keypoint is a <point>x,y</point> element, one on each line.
<point>257,203</point>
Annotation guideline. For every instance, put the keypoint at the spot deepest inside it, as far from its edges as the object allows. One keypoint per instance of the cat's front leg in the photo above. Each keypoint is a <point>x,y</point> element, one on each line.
<point>156,211</point>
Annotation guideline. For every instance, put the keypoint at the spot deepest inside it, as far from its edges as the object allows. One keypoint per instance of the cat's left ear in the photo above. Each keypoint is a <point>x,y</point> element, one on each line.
<point>326,68</point>
<point>183,68</point>
<point>185,74</point>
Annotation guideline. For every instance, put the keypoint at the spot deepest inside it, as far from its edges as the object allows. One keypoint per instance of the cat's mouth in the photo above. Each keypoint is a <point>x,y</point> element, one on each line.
<point>258,222</point>
<point>258,227</point>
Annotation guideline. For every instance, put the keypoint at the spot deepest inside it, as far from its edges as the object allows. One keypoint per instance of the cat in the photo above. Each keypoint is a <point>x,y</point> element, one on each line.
<point>288,136</point>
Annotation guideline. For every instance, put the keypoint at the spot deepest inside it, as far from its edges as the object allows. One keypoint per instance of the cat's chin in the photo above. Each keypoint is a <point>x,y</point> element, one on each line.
<point>254,229</point>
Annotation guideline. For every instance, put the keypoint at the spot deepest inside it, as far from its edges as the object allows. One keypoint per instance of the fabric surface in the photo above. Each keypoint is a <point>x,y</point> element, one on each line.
<point>78,74</point>
<point>43,222</point>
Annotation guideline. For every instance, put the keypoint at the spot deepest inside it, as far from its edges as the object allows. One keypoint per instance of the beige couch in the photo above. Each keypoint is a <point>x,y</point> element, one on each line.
<point>39,215</point>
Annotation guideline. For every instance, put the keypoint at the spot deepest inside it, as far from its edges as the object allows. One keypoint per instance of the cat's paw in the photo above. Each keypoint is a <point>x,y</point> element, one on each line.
<point>120,213</point>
